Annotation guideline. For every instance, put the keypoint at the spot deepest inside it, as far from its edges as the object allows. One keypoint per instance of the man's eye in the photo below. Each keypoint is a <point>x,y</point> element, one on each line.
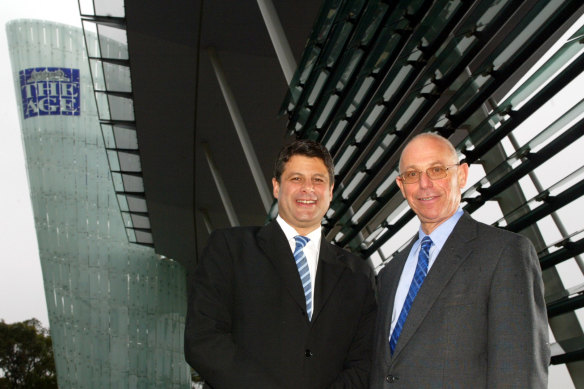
<point>437,169</point>
<point>412,174</point>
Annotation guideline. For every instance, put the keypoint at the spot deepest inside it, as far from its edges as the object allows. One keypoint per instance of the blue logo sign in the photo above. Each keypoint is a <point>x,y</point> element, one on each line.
<point>50,91</point>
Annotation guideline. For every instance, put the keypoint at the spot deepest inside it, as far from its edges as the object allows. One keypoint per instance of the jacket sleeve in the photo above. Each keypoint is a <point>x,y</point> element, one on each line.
<point>357,364</point>
<point>209,345</point>
<point>518,346</point>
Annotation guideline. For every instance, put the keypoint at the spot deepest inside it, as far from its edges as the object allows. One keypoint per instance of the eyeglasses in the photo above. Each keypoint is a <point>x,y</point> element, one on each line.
<point>434,173</point>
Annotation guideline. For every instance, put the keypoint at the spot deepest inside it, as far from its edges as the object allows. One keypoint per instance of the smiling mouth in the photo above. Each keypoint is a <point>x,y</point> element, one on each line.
<point>427,198</point>
<point>306,202</point>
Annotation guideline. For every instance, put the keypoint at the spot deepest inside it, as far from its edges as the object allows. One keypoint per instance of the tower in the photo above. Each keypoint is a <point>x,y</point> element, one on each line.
<point>116,309</point>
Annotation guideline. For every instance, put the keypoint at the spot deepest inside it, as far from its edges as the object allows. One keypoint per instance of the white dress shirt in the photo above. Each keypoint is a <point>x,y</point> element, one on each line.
<point>311,250</point>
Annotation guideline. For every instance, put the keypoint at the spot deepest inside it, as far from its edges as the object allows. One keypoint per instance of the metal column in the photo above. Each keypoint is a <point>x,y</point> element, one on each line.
<point>250,155</point>
<point>278,37</point>
<point>233,220</point>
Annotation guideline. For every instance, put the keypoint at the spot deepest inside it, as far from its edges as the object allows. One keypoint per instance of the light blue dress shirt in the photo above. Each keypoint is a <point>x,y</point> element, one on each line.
<point>439,237</point>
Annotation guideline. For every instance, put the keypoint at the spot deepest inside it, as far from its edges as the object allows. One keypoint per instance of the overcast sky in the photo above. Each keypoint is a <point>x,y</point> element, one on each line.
<point>21,284</point>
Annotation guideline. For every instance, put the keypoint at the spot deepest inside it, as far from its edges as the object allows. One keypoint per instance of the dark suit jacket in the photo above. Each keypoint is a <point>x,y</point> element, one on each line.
<point>246,323</point>
<point>478,321</point>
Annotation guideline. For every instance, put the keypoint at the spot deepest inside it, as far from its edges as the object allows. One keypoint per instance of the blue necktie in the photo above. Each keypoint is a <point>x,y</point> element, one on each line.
<point>304,272</point>
<point>419,276</point>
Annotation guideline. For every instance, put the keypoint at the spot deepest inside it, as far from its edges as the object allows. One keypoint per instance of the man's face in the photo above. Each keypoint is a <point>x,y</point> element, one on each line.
<point>434,201</point>
<point>304,193</point>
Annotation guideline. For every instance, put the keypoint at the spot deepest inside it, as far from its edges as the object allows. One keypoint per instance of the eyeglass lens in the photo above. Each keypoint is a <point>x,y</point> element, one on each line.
<point>434,173</point>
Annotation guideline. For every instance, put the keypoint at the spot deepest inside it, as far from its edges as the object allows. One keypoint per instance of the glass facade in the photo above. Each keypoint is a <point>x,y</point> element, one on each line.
<point>503,81</point>
<point>116,309</point>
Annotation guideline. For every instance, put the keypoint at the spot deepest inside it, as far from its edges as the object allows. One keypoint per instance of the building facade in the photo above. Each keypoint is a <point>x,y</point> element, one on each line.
<point>116,309</point>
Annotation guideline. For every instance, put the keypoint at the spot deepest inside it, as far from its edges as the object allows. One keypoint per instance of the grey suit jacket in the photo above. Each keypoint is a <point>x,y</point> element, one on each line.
<point>246,323</point>
<point>478,321</point>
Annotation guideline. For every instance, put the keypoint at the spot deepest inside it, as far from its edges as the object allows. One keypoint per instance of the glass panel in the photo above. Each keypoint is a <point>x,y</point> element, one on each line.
<point>129,162</point>
<point>136,204</point>
<point>566,54</point>
<point>533,22</point>
<point>113,8</point>
<point>97,74</point>
<point>86,7</point>
<point>121,108</point>
<point>117,77</point>
<point>108,136</point>
<point>113,42</point>
<point>133,183</point>
<point>127,217</point>
<point>102,106</point>
<point>126,138</point>
<point>90,32</point>
<point>123,202</point>
<point>144,237</point>
<point>533,146</point>
<point>131,235</point>
<point>114,162</point>
<point>118,182</point>
<point>141,221</point>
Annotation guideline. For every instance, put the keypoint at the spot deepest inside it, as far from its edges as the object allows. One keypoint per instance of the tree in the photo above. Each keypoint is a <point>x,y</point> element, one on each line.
<point>197,381</point>
<point>26,356</point>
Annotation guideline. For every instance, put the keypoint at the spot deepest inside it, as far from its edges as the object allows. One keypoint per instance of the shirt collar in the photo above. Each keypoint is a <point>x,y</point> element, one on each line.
<point>314,236</point>
<point>443,231</point>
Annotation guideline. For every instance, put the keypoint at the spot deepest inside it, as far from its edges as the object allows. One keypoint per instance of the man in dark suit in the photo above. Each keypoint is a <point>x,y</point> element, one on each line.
<point>478,320</point>
<point>252,322</point>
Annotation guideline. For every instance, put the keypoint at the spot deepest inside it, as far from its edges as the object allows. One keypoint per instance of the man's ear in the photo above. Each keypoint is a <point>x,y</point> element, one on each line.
<point>276,188</point>
<point>399,183</point>
<point>462,174</point>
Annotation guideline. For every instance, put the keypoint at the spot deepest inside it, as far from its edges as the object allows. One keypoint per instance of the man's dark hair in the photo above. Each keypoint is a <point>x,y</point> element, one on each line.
<point>307,148</point>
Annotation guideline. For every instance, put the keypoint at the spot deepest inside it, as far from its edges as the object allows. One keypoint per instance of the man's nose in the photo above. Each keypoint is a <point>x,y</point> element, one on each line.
<point>425,180</point>
<point>308,186</point>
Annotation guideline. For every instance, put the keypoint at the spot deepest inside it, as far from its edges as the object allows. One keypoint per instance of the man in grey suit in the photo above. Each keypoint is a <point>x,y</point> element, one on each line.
<point>468,311</point>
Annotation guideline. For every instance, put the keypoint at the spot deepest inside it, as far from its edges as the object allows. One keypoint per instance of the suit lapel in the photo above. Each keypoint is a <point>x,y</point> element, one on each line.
<point>329,270</point>
<point>272,241</point>
<point>387,291</point>
<point>454,252</point>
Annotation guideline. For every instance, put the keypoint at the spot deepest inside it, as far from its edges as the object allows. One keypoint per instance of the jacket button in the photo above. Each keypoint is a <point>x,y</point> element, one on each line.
<point>391,378</point>
<point>307,353</point>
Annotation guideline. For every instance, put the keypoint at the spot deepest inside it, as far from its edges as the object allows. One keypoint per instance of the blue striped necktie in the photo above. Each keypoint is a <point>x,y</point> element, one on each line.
<point>419,276</point>
<point>304,272</point>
